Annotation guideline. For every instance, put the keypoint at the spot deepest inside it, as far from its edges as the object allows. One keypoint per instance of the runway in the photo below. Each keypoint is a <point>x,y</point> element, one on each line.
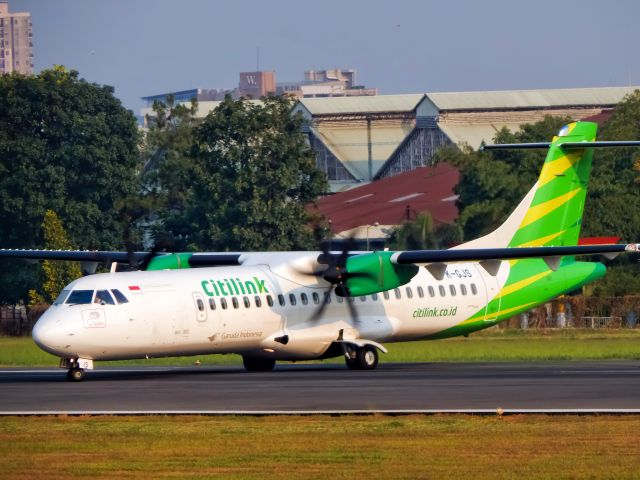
<point>328,388</point>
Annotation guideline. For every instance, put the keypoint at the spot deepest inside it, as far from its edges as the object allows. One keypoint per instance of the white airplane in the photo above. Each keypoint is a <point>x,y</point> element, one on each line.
<point>270,306</point>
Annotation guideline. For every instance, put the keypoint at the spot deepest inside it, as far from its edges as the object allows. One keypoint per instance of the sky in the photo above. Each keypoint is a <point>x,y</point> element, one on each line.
<point>147,47</point>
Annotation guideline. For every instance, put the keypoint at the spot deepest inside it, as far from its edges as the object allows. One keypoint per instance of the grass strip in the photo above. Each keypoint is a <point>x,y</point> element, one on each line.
<point>441,446</point>
<point>488,346</point>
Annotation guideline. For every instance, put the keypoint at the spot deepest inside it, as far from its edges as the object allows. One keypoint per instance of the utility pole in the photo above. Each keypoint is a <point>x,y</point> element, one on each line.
<point>369,150</point>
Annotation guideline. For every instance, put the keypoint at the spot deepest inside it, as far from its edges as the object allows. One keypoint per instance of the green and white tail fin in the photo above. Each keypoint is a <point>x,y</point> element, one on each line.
<point>551,213</point>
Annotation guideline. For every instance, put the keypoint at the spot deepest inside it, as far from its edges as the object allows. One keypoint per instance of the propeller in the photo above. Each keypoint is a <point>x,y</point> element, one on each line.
<point>336,274</point>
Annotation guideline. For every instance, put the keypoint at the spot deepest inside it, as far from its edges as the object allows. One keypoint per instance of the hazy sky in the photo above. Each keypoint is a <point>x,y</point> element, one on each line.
<point>145,47</point>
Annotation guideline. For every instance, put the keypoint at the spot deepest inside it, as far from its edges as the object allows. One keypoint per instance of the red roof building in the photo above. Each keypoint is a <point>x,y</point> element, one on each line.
<point>383,204</point>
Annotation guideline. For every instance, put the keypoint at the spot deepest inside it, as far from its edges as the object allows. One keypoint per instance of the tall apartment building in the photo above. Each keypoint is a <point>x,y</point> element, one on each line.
<point>16,41</point>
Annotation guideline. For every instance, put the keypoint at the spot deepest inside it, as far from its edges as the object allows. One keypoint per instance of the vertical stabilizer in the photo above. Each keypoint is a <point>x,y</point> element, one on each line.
<point>551,213</point>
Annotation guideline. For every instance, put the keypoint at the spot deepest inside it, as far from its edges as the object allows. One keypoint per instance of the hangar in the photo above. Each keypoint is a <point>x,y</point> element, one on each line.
<point>361,139</point>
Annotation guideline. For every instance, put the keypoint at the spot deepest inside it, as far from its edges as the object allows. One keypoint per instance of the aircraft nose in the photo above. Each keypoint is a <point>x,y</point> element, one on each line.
<point>50,334</point>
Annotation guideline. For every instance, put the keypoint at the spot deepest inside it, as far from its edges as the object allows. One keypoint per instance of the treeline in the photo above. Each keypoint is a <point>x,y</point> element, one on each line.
<point>238,179</point>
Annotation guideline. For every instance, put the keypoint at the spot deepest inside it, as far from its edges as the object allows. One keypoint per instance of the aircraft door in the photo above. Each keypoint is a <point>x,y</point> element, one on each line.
<point>492,288</point>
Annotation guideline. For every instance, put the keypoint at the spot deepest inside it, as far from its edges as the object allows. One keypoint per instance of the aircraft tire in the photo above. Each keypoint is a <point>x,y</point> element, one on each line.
<point>366,359</point>
<point>256,364</point>
<point>76,375</point>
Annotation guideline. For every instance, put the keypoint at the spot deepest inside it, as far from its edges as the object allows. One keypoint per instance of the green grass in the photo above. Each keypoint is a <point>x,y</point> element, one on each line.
<point>487,346</point>
<point>411,447</point>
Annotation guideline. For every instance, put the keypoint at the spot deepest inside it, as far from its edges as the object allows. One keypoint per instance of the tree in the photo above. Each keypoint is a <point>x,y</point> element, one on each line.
<point>421,234</point>
<point>250,176</point>
<point>613,193</point>
<point>493,183</point>
<point>65,145</point>
<point>168,164</point>
<point>57,274</point>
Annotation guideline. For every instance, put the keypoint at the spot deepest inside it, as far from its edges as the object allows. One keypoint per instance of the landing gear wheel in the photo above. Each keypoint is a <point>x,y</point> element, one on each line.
<point>366,358</point>
<point>76,375</point>
<point>256,364</point>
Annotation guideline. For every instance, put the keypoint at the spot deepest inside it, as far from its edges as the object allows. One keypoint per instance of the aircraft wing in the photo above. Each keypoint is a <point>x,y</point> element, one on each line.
<point>480,254</point>
<point>97,256</point>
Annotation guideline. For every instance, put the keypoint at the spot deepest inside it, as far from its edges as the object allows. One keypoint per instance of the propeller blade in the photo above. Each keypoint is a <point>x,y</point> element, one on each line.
<point>326,300</point>
<point>353,311</point>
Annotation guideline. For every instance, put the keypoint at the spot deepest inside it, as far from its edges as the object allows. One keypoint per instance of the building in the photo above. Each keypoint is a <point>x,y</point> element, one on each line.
<point>373,210</point>
<point>361,139</point>
<point>16,41</point>
<point>358,140</point>
<point>326,83</point>
<point>185,96</point>
<point>255,85</point>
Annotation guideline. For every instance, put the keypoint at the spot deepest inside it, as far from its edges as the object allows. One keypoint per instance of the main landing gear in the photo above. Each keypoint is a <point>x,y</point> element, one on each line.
<point>257,364</point>
<point>362,358</point>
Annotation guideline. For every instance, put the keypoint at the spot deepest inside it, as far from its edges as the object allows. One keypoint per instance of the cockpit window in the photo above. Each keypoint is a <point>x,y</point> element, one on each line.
<point>62,297</point>
<point>79,297</point>
<point>103,297</point>
<point>120,298</point>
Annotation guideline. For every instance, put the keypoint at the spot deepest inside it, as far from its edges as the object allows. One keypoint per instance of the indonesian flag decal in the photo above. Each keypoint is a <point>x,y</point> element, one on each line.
<point>134,289</point>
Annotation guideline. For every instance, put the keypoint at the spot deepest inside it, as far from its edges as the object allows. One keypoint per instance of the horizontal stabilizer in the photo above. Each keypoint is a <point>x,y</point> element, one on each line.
<point>564,146</point>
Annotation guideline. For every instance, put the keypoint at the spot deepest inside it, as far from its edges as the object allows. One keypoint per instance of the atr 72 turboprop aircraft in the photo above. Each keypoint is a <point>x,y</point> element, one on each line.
<point>269,306</point>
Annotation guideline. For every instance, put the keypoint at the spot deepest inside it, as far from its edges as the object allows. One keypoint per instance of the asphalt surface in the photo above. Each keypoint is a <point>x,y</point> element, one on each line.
<point>327,387</point>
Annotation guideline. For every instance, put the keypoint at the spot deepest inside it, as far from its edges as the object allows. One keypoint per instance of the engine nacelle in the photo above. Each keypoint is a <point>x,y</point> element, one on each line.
<point>373,273</point>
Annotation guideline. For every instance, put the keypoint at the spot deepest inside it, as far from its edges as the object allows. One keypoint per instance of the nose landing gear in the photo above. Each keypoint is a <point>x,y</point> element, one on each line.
<point>76,368</point>
<point>76,374</point>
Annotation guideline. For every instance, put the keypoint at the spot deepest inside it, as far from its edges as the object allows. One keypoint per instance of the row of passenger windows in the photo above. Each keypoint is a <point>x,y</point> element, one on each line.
<point>304,299</point>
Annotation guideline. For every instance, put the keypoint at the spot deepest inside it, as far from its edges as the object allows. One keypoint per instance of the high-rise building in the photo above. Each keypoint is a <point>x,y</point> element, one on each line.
<point>16,41</point>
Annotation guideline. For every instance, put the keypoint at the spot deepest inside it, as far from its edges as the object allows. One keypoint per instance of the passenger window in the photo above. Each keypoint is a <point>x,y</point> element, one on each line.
<point>120,298</point>
<point>327,297</point>
<point>396,291</point>
<point>474,290</point>
<point>374,297</point>
<point>281,300</point>
<point>79,297</point>
<point>420,292</point>
<point>223,303</point>
<point>292,299</point>
<point>200,304</point>
<point>316,298</point>
<point>409,293</point>
<point>212,303</point>
<point>432,292</point>
<point>270,300</point>
<point>363,298</point>
<point>235,302</point>
<point>62,297</point>
<point>452,289</point>
<point>463,290</point>
<point>258,301</point>
<point>103,297</point>
<point>442,291</point>
<point>304,299</point>
<point>339,299</point>
<point>385,294</point>
<point>247,303</point>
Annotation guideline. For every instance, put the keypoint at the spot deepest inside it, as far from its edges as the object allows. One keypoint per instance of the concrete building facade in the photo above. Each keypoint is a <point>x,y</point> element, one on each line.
<point>16,41</point>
